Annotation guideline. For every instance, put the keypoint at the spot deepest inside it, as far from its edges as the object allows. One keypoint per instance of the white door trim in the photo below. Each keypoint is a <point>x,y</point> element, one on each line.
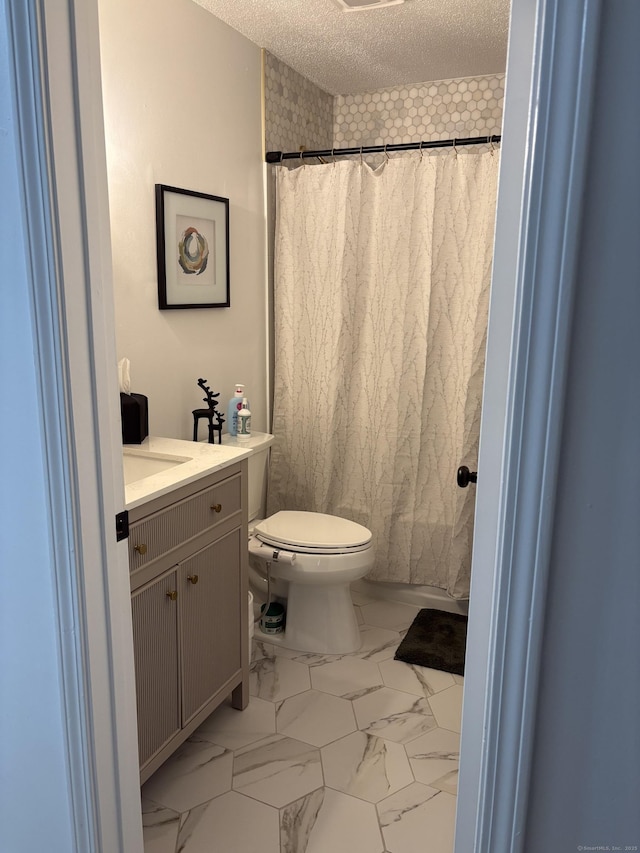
<point>54,51</point>
<point>518,464</point>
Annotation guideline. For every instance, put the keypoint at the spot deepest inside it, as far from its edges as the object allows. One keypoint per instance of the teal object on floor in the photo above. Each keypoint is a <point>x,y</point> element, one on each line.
<point>272,622</point>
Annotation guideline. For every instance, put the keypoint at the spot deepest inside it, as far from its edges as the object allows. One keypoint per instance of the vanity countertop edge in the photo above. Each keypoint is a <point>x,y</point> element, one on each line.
<point>204,459</point>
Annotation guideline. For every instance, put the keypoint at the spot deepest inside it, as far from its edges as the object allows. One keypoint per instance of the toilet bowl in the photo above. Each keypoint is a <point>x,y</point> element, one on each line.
<point>318,555</point>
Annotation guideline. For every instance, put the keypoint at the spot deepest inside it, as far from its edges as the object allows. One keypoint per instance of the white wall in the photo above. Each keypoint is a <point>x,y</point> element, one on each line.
<point>182,100</point>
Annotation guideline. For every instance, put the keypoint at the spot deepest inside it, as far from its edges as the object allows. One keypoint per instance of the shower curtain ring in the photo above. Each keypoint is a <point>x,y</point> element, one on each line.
<point>455,150</point>
<point>386,154</point>
<point>490,141</point>
<point>333,159</point>
<point>421,143</point>
<point>361,155</point>
<point>301,160</point>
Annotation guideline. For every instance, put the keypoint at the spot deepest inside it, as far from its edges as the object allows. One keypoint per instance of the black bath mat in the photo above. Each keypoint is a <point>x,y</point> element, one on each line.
<point>435,639</point>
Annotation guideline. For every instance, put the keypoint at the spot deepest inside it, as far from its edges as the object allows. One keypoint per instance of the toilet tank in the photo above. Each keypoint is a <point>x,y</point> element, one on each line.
<point>258,466</point>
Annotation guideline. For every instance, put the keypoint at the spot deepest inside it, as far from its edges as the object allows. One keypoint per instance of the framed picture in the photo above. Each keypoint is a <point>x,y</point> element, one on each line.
<point>192,236</point>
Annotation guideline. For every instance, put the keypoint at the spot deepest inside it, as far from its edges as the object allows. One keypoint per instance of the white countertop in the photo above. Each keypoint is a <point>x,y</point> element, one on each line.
<point>203,459</point>
<point>256,441</point>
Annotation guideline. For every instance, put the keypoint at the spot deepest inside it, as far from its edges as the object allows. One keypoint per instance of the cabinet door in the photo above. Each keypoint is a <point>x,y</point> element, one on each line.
<point>155,643</point>
<point>209,587</point>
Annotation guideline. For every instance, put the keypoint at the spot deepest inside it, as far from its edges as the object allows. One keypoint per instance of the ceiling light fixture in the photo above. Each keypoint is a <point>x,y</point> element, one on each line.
<point>363,5</point>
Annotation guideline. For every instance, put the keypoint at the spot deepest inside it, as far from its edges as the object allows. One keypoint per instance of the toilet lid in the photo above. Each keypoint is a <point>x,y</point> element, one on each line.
<point>313,532</point>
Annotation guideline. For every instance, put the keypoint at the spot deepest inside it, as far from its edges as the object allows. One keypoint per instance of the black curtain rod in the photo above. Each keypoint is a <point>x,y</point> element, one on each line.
<point>278,156</point>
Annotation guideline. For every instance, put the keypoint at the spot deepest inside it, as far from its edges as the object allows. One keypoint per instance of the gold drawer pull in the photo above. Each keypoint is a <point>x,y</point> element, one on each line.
<point>141,549</point>
<point>217,507</point>
<point>192,578</point>
<point>172,595</point>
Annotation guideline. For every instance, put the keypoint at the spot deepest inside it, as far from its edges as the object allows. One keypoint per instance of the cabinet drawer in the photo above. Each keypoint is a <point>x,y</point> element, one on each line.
<point>165,530</point>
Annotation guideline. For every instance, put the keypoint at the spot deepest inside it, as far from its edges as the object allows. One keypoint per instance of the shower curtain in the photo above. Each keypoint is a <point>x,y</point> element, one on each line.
<point>381,297</point>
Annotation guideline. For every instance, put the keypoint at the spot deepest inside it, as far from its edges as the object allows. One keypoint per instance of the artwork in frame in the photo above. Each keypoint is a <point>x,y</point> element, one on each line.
<point>192,238</point>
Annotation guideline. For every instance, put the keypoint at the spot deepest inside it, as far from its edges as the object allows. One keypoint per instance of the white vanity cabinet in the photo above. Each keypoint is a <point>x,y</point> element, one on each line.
<point>188,563</point>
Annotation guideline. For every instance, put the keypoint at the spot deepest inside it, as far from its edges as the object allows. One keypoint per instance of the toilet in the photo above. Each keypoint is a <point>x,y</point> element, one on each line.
<point>312,559</point>
<point>319,556</point>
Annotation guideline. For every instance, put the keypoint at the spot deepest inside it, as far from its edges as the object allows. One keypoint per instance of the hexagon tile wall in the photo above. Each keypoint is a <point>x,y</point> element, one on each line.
<point>298,113</point>
<point>471,106</point>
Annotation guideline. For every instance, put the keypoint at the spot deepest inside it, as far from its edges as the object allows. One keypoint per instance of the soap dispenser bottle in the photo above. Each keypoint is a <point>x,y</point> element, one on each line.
<point>244,421</point>
<point>235,404</point>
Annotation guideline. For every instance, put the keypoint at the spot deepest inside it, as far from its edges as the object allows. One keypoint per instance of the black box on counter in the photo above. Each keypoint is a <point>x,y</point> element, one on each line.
<point>135,418</point>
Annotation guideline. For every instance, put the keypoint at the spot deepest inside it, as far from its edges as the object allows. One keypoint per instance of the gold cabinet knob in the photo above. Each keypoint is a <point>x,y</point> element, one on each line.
<point>192,578</point>
<point>217,507</point>
<point>141,549</point>
<point>173,594</point>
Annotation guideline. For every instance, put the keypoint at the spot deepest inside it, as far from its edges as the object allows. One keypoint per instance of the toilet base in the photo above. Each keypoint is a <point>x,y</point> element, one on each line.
<point>319,619</point>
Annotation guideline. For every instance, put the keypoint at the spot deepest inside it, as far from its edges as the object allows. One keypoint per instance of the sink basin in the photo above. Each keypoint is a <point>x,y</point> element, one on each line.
<point>140,464</point>
<point>160,465</point>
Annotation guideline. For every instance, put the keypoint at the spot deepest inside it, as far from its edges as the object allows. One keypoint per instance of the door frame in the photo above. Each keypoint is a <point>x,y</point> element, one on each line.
<point>549,91</point>
<point>55,52</point>
<point>54,55</point>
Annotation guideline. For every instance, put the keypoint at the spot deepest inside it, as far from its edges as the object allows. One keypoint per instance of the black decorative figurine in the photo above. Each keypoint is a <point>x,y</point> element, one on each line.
<point>209,414</point>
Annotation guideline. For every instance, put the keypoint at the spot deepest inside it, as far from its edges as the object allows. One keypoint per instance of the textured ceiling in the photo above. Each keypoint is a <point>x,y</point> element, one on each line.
<point>354,52</point>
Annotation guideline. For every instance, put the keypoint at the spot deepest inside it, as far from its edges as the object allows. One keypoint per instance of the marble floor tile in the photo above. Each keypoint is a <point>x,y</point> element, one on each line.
<point>310,659</point>
<point>313,659</point>
<point>159,828</point>
<point>277,771</point>
<point>324,758</point>
<point>448,783</point>
<point>257,651</point>
<point>377,643</point>
<point>315,718</point>
<point>233,729</point>
<point>196,772</point>
<point>447,708</point>
<point>419,680</point>
<point>366,766</point>
<point>434,755</point>
<point>330,821</point>
<point>297,821</point>
<point>418,812</point>
<point>229,823</point>
<point>389,614</point>
<point>263,649</point>
<point>393,715</point>
<point>276,678</point>
<point>349,677</point>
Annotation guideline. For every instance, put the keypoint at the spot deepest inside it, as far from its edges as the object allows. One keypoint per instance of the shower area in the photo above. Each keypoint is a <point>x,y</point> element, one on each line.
<point>381,275</point>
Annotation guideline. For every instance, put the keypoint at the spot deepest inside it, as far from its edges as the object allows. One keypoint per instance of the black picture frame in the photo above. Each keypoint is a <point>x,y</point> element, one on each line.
<point>192,242</point>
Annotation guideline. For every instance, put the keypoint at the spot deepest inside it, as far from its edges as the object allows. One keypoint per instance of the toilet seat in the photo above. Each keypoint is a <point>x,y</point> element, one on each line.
<point>313,533</point>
